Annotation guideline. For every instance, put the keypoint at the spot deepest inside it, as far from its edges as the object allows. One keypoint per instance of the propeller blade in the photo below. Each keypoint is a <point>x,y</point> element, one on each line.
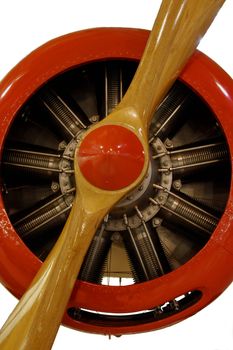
<point>34,322</point>
<point>179,26</point>
<point>178,29</point>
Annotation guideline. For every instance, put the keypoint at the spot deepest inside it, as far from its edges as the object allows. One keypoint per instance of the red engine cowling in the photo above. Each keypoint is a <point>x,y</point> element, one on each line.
<point>174,255</point>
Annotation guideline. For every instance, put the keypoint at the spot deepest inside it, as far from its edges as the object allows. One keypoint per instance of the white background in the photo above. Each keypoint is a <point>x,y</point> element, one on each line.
<point>24,25</point>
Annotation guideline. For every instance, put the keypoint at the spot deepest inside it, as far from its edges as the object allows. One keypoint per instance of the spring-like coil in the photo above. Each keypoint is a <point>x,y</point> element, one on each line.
<point>199,156</point>
<point>42,217</point>
<point>169,112</point>
<point>113,87</point>
<point>146,253</point>
<point>192,213</point>
<point>92,268</point>
<point>41,163</point>
<point>64,117</point>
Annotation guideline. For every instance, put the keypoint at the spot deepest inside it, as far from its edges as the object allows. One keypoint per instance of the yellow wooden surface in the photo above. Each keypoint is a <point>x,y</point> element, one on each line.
<point>178,29</point>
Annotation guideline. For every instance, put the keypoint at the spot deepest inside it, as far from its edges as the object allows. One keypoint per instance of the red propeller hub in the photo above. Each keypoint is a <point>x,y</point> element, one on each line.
<point>111,157</point>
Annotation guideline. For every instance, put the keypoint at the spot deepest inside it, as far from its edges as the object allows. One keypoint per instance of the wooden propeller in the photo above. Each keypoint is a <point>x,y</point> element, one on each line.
<point>178,28</point>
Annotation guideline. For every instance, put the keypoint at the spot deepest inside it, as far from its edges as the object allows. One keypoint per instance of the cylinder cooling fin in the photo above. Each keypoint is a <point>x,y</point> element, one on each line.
<point>164,251</point>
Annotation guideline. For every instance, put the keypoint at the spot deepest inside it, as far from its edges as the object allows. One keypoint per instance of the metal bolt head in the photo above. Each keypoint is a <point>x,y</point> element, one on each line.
<point>177,184</point>
<point>168,143</point>
<point>156,222</point>
<point>55,186</point>
<point>94,118</point>
<point>160,198</point>
<point>62,146</point>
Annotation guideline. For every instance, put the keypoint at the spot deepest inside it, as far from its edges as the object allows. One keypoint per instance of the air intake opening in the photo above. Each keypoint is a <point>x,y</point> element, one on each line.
<point>159,312</point>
